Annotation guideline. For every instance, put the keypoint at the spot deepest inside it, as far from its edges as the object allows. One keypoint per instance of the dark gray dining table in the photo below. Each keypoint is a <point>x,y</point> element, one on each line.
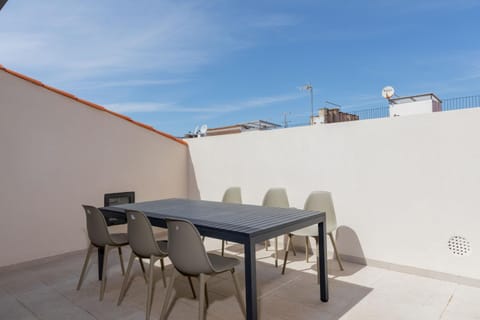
<point>240,223</point>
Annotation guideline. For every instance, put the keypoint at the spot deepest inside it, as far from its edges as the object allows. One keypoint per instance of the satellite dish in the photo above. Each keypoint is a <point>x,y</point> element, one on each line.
<point>203,130</point>
<point>388,92</point>
<point>195,131</point>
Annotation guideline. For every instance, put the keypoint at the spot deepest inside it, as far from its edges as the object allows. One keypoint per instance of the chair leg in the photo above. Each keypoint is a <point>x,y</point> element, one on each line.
<point>292,246</point>
<point>238,294</point>
<point>317,260</point>
<point>201,302</point>
<point>289,240</point>
<point>206,295</point>
<point>121,260</point>
<point>276,252</point>
<point>306,249</point>
<point>336,251</point>
<point>123,290</point>
<point>104,272</point>
<point>151,286</point>
<point>191,287</point>
<point>166,300</point>
<point>223,248</point>
<point>266,245</point>
<point>162,264</point>
<point>85,264</point>
<point>143,269</point>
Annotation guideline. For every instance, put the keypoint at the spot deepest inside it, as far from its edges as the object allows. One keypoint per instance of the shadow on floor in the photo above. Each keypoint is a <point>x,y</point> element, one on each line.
<point>48,291</point>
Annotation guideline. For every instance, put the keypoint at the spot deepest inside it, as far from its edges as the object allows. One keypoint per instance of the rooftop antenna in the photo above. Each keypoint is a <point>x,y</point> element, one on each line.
<point>285,120</point>
<point>308,87</point>
<point>203,130</point>
<point>333,104</point>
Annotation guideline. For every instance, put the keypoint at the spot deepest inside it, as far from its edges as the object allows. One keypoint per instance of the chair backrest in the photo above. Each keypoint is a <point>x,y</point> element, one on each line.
<point>276,198</point>
<point>232,195</point>
<point>322,201</point>
<point>96,227</point>
<point>140,235</point>
<point>186,249</point>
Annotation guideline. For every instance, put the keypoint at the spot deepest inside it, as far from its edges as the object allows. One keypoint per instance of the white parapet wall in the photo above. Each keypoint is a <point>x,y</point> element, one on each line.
<point>402,186</point>
<point>58,153</point>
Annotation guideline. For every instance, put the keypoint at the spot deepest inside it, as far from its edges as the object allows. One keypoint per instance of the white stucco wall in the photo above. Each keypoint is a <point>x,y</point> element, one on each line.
<point>402,185</point>
<point>411,108</point>
<point>56,154</point>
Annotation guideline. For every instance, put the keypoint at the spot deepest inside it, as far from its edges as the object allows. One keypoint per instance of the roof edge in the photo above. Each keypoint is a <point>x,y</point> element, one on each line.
<point>91,104</point>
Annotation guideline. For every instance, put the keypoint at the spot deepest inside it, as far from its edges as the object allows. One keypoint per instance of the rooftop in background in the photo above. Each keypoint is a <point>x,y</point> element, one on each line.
<point>418,104</point>
<point>383,111</point>
<point>326,115</point>
<point>419,97</point>
<point>237,128</point>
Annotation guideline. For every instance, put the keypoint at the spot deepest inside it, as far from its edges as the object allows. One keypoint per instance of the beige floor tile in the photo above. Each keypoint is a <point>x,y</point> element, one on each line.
<point>292,309</point>
<point>11,308</point>
<point>46,303</point>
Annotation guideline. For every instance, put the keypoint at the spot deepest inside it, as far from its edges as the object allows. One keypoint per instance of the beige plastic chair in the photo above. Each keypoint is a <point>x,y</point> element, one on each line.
<point>189,257</point>
<point>231,195</point>
<point>144,246</point>
<point>275,198</point>
<point>316,201</point>
<point>100,238</point>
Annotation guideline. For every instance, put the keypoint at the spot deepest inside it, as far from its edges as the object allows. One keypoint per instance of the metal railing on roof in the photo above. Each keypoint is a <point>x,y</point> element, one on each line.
<point>371,113</point>
<point>461,103</point>
<point>378,112</point>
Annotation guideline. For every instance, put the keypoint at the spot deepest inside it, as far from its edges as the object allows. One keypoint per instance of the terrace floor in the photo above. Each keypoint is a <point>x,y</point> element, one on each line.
<point>47,291</point>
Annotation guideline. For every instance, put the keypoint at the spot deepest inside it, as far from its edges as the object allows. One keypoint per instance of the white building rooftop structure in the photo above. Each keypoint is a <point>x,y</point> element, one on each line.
<point>422,103</point>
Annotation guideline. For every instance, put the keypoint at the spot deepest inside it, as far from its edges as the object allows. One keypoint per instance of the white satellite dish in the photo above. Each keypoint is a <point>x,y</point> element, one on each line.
<point>195,131</point>
<point>388,92</point>
<point>203,130</point>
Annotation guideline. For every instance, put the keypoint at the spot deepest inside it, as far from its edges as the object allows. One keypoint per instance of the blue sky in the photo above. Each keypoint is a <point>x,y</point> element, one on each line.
<point>178,64</point>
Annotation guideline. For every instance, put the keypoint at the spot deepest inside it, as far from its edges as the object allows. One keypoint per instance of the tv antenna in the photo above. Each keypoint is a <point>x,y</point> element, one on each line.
<point>333,104</point>
<point>309,87</point>
<point>285,120</point>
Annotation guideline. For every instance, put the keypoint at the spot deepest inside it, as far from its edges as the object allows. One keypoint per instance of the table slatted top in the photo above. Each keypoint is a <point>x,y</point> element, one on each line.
<point>239,218</point>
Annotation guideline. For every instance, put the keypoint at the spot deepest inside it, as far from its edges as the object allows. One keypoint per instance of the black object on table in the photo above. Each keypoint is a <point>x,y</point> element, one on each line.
<point>245,224</point>
<point>113,218</point>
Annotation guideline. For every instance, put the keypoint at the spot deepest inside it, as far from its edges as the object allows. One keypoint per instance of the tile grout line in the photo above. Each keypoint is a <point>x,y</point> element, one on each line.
<point>68,299</point>
<point>266,294</point>
<point>27,308</point>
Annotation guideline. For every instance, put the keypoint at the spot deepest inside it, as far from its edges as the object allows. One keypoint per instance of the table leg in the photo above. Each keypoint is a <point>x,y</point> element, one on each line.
<point>322,261</point>
<point>250,280</point>
<point>101,251</point>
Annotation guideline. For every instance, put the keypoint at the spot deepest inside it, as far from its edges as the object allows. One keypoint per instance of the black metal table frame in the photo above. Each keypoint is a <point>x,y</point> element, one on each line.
<point>249,241</point>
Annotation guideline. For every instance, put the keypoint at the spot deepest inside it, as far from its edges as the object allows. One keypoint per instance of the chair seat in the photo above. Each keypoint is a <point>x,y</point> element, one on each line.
<point>119,239</point>
<point>221,264</point>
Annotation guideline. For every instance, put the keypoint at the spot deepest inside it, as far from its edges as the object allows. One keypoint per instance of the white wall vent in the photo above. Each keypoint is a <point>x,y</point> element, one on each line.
<point>459,245</point>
